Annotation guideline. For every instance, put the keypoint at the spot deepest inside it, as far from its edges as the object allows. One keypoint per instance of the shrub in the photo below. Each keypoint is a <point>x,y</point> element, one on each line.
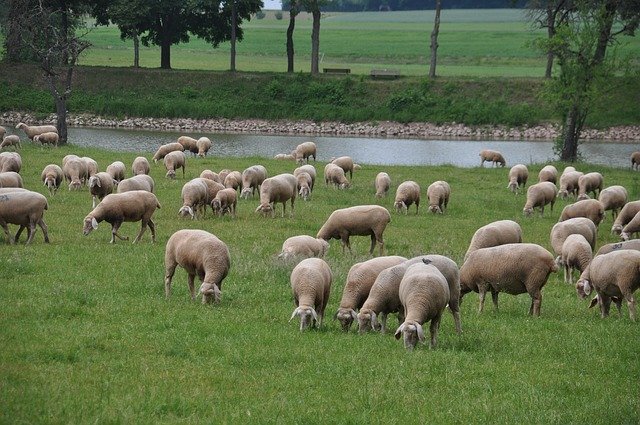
<point>278,15</point>
<point>260,15</point>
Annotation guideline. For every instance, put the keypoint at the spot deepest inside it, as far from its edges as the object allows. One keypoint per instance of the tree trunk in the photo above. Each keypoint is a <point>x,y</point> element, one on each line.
<point>136,50</point>
<point>434,40</point>
<point>61,108</point>
<point>234,19</point>
<point>292,24</point>
<point>571,135</point>
<point>165,53</point>
<point>315,40</point>
<point>551,31</point>
<point>605,31</point>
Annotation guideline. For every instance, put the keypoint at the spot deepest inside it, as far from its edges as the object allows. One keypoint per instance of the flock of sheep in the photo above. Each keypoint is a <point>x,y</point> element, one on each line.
<point>417,289</point>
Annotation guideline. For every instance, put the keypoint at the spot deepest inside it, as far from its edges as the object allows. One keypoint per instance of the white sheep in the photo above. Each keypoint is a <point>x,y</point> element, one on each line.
<point>362,220</point>
<point>225,201</point>
<point>199,253</point>
<point>490,155</point>
<point>34,130</point>
<point>632,227</point>
<point>630,244</point>
<point>303,246</point>
<point>539,195</point>
<point>194,197</point>
<point>233,180</point>
<point>172,161</point>
<point>579,225</point>
<point>613,198</point>
<point>309,169</point>
<point>211,175</point>
<point>518,176</point>
<point>304,185</point>
<point>569,183</point>
<point>11,179</point>
<point>252,178</point>
<point>590,182</point>
<point>10,161</point>
<point>589,208</point>
<point>66,158</point>
<point>137,182</point>
<point>285,157</point>
<point>382,184</point>
<point>493,234</point>
<point>166,149</point>
<point>438,193</point>
<point>137,205</point>
<point>48,138</point>
<point>92,166</point>
<point>346,163</point>
<point>140,165</point>
<point>213,188</point>
<point>117,170</point>
<point>277,189</point>
<point>424,294</point>
<point>52,178</point>
<point>511,268</point>
<point>26,209</point>
<point>304,151</point>
<point>223,174</point>
<point>625,216</point>
<point>549,173</point>
<point>203,144</point>
<point>335,175</point>
<point>189,144</point>
<point>635,160</point>
<point>407,193</point>
<point>360,279</point>
<point>100,185</point>
<point>11,140</point>
<point>576,254</point>
<point>311,286</point>
<point>75,172</point>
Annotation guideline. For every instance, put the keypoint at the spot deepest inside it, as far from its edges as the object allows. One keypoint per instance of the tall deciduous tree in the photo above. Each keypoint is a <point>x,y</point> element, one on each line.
<point>549,15</point>
<point>434,40</point>
<point>313,7</point>
<point>294,9</point>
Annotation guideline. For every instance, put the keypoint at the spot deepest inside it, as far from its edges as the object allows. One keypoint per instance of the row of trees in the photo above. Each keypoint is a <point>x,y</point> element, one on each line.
<point>383,5</point>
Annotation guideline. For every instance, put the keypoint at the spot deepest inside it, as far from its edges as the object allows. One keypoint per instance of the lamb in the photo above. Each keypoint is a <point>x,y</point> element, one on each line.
<point>10,161</point>
<point>360,279</point>
<point>199,253</point>
<point>335,175</point>
<point>549,173</point>
<point>75,172</point>
<point>252,178</point>
<point>52,178</point>
<point>494,156</point>
<point>138,182</point>
<point>407,193</point>
<point>493,234</point>
<point>233,180</point>
<point>589,208</point>
<point>203,144</point>
<point>194,196</point>
<point>632,227</point>
<point>11,179</point>
<point>304,185</point>
<point>590,182</point>
<point>92,166</point>
<point>539,195</point>
<point>48,138</point>
<point>382,184</point>
<point>612,275</point>
<point>189,144</point>
<point>613,198</point>
<point>311,286</point>
<point>635,160</point>
<point>304,151</point>
<point>438,193</point>
<point>569,183</point>
<point>630,244</point>
<point>280,188</point>
<point>424,294</point>
<point>11,140</point>
<point>511,268</point>
<point>579,225</point>
<point>32,131</point>
<point>625,216</point>
<point>173,161</point>
<point>576,254</point>
<point>140,166</point>
<point>225,200</point>
<point>303,246</point>
<point>360,220</point>
<point>309,169</point>
<point>518,175</point>
<point>137,205</point>
<point>166,149</point>
<point>100,185</point>
<point>346,163</point>
<point>26,209</point>
<point>116,170</point>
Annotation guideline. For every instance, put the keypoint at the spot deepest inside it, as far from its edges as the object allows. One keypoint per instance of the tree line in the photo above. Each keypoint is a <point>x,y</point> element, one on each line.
<point>386,5</point>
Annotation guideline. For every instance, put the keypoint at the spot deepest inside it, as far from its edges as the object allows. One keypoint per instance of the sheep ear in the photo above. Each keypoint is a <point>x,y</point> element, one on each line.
<point>374,321</point>
<point>314,314</point>
<point>94,223</point>
<point>296,312</point>
<point>593,302</point>
<point>190,210</point>
<point>420,331</point>
<point>587,287</point>
<point>258,209</point>
<point>399,331</point>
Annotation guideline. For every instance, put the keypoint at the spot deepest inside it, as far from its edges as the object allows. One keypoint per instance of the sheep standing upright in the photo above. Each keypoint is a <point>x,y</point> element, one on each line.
<point>34,130</point>
<point>490,155</point>
<point>311,286</point>
<point>137,182</point>
<point>616,246</point>
<point>304,151</point>
<point>635,160</point>
<point>362,220</point>
<point>26,209</point>
<point>225,201</point>
<point>613,198</point>
<point>632,227</point>
<point>493,234</point>
<point>382,184</point>
<point>75,172</point>
<point>304,185</point>
<point>11,179</point>
<point>199,253</point>
<point>438,193</point>
<point>518,176</point>
<point>117,170</point>
<point>277,189</point>
<point>164,150</point>
<point>10,161</point>
<point>52,178</point>
<point>407,193</point>
<point>539,195</point>
<point>48,138</point>
<point>194,196</point>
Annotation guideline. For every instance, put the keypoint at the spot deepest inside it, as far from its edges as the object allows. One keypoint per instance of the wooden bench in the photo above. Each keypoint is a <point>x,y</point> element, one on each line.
<point>336,70</point>
<point>385,73</point>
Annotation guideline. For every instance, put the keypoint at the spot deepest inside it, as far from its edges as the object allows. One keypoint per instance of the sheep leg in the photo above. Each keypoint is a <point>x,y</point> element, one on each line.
<point>455,311</point>
<point>32,232</point>
<point>93,201</point>
<point>114,232</point>
<point>192,286</point>
<point>494,297</point>
<point>383,322</point>
<point>482,291</point>
<point>373,245</point>
<point>142,229</point>
<point>536,300</point>
<point>631,304</point>
<point>7,233</point>
<point>433,330</point>
<point>19,232</point>
<point>170,269</point>
<point>566,273</point>
<point>605,305</point>
<point>152,227</point>
<point>292,202</point>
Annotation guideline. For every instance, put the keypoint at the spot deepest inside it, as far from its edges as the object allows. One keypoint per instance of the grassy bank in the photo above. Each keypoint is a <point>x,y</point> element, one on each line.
<point>88,336</point>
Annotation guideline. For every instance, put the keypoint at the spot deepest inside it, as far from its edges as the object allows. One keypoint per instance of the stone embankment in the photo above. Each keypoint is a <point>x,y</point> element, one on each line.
<point>366,129</point>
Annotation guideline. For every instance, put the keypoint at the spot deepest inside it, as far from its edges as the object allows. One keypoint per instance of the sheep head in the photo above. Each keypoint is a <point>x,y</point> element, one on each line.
<point>513,186</point>
<point>346,316</point>
<point>563,194</point>
<point>583,196</point>
<point>624,236</point>
<point>583,288</point>
<point>412,333</point>
<point>367,320</point>
<point>75,185</point>
<point>308,317</point>
<point>527,211</point>
<point>210,292</point>
<point>90,224</point>
<point>186,210</point>
<point>265,209</point>
<point>304,193</point>
<point>171,174</point>
<point>400,207</point>
<point>435,209</point>
<point>216,205</point>
<point>246,193</point>
<point>616,229</point>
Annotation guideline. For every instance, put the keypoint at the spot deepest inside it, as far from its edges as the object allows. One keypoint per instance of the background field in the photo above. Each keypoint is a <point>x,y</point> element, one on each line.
<point>88,336</point>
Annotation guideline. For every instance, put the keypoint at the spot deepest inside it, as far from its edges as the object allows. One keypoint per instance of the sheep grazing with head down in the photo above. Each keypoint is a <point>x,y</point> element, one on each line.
<point>590,182</point>
<point>34,130</point>
<point>11,179</point>
<point>52,178</point>
<point>303,246</point>
<point>549,173</point>
<point>632,227</point>
<point>100,185</point>
<point>518,175</point>
<point>407,193</point>
<point>48,138</point>
<point>635,160</point>
<point>189,144</point>
<point>277,189</point>
<point>569,183</point>
<point>203,144</point>
<point>225,201</point>
<point>173,161</point>
<point>140,165</point>
<point>26,209</point>
<point>75,172</point>
<point>382,184</point>
<point>346,163</point>
<point>211,175</point>
<point>11,140</point>
<point>252,178</point>
<point>576,254</point>
<point>438,193</point>
<point>304,185</point>
<point>539,195</point>
<point>589,208</point>
<point>284,157</point>
<point>194,198</point>
<point>578,226</point>
<point>139,182</point>
<point>166,149</point>
<point>613,198</point>
<point>116,170</point>
<point>92,166</point>
<point>625,216</point>
<point>493,234</point>
<point>10,161</point>
<point>309,169</point>
<point>617,246</point>
<point>233,180</point>
<point>335,175</point>
<point>304,151</point>
<point>362,220</point>
<point>311,286</point>
<point>199,253</point>
<point>360,279</point>
<point>424,294</point>
<point>490,155</point>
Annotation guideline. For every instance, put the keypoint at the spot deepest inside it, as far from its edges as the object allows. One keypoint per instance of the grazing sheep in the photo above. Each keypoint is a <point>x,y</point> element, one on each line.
<point>630,244</point>
<point>116,170</point>
<point>223,174</point>
<point>549,173</point>
<point>625,216</point>
<point>211,175</point>
<point>494,156</point>
<point>511,268</point>
<point>199,253</point>
<point>407,193</point>
<point>252,178</point>
<point>493,234</point>
<point>438,193</point>
<point>189,144</point>
<point>66,158</point>
<point>613,198</point>
<point>311,286</point>
<point>612,275</point>
<point>590,182</point>
<point>635,161</point>
<point>589,208</point>
<point>11,140</point>
<point>579,226</point>
<point>285,157</point>
<point>309,169</point>
<point>382,184</point>
<point>173,161</point>
<point>137,205</point>
<point>52,178</point>
<point>569,183</point>
<point>203,144</point>
<point>75,172</point>
<point>92,166</point>
<point>26,209</point>
<point>335,175</point>
<point>166,149</point>
<point>34,130</point>
<point>11,179</point>
<point>10,161</point>
<point>48,138</point>
<point>360,279</point>
<point>303,246</point>
<point>424,294</point>
<point>213,188</point>
<point>346,163</point>
<point>138,182</point>
<point>304,151</point>
<point>539,195</point>
<point>233,180</point>
<point>518,175</point>
<point>632,227</point>
<point>304,185</point>
<point>101,185</point>
<point>277,189</point>
<point>576,254</point>
<point>362,220</point>
<point>194,197</point>
<point>225,201</point>
<point>140,166</point>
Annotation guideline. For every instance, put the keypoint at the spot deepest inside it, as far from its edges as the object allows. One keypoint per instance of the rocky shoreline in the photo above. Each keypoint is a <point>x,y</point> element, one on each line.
<point>367,129</point>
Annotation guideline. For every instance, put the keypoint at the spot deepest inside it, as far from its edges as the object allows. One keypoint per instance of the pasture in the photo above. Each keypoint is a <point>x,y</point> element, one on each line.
<point>88,336</point>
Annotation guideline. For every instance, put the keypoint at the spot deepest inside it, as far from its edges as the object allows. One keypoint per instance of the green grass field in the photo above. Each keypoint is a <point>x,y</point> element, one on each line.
<point>88,336</point>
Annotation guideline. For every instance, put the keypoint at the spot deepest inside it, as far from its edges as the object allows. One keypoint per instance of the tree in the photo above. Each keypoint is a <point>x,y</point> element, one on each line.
<point>294,9</point>
<point>549,14</point>
<point>434,40</point>
<point>313,6</point>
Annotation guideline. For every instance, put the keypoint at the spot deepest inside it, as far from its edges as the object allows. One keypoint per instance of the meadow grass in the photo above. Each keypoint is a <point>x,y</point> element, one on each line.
<point>88,336</point>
